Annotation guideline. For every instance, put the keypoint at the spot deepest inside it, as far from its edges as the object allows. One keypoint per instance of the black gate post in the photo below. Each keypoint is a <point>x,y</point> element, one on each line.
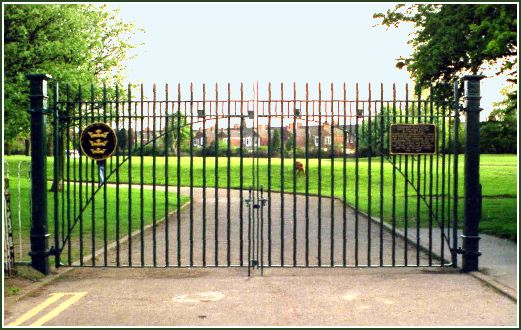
<point>39,231</point>
<point>472,206</point>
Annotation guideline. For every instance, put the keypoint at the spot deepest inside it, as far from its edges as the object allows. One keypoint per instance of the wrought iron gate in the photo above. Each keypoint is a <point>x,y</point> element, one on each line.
<point>199,181</point>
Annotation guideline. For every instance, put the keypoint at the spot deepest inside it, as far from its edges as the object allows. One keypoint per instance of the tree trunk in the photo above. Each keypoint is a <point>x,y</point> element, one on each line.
<point>58,184</point>
<point>27,144</point>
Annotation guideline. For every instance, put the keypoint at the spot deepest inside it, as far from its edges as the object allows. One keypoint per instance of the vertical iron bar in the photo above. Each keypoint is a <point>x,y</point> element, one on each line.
<point>249,203</point>
<point>105,247</point>
<point>332,177</point>
<point>294,147</point>
<point>430,181</point>
<point>216,177</point>
<point>204,175</point>
<point>241,183</point>
<point>141,179</point>
<point>93,178</point>
<point>70,112</point>
<point>357,180</point>
<point>443,187</point>
<point>437,167</point>
<point>80,112</point>
<point>393,238</point>
<point>307,175</point>
<point>154,177</point>
<point>262,202</point>
<point>178,179</point>
<point>406,186</point>
<point>449,168</point>
<point>282,174</point>
<point>344,184</point>
<point>369,196</point>
<point>382,127</point>
<point>418,191</point>
<point>456,153</point>
<point>167,146</point>
<point>256,177</point>
<point>228,183</point>
<point>191,175</point>
<point>117,184</point>
<point>319,229</point>
<point>129,157</point>
<point>57,163</point>
<point>270,154</point>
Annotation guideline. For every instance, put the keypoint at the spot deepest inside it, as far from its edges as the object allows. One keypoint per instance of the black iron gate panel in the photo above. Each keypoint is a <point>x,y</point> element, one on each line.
<point>199,181</point>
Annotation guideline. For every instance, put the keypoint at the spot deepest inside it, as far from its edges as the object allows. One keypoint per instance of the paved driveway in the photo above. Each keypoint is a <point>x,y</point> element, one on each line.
<point>281,241</point>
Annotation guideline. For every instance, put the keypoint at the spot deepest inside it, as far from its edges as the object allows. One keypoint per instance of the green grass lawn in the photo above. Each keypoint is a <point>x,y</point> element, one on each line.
<point>95,217</point>
<point>498,177</point>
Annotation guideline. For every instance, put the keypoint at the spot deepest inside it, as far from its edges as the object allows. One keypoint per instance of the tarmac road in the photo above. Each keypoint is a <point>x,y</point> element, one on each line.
<point>427,296</point>
<point>272,245</point>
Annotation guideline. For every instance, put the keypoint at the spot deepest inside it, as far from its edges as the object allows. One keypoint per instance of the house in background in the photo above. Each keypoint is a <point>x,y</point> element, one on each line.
<point>329,137</point>
<point>250,137</point>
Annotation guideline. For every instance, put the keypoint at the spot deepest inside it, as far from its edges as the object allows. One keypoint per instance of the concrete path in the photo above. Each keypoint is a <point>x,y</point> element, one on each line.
<point>498,257</point>
<point>282,297</point>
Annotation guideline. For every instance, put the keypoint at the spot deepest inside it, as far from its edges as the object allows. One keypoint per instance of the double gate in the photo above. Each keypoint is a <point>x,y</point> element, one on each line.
<point>271,181</point>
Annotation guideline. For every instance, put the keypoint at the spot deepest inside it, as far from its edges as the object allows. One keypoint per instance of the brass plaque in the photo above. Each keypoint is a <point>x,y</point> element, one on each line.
<point>98,141</point>
<point>412,139</point>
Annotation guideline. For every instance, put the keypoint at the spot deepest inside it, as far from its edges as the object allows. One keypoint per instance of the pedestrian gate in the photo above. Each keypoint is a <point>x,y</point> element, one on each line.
<point>304,178</point>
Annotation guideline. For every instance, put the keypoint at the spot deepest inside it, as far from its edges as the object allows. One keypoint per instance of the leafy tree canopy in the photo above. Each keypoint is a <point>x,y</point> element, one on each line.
<point>77,44</point>
<point>499,133</point>
<point>452,40</point>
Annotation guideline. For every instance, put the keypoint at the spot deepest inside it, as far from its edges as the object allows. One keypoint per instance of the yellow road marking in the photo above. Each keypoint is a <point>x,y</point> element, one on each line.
<point>52,299</point>
<point>63,306</point>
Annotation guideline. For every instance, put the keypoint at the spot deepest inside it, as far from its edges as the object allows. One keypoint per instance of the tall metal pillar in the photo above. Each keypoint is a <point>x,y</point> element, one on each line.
<point>472,207</point>
<point>39,231</point>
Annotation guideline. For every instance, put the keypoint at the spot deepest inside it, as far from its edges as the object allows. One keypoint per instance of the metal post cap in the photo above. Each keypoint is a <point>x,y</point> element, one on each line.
<point>37,76</point>
<point>474,77</point>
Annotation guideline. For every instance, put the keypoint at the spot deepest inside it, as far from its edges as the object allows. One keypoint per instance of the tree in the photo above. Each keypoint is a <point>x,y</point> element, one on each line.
<point>499,132</point>
<point>275,142</point>
<point>290,142</point>
<point>176,135</point>
<point>452,40</point>
<point>122,136</point>
<point>77,44</point>
<point>369,140</point>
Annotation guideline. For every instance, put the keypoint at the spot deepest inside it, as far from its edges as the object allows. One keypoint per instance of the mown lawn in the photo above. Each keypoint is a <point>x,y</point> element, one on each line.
<point>498,178</point>
<point>101,221</point>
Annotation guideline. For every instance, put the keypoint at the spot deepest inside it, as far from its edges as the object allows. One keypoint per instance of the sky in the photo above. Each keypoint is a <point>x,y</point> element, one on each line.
<point>277,42</point>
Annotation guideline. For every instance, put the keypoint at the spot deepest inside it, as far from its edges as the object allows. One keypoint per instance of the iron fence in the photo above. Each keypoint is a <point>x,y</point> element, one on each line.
<point>214,181</point>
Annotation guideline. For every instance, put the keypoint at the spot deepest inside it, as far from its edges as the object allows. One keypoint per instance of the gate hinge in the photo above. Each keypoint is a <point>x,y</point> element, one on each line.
<point>460,250</point>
